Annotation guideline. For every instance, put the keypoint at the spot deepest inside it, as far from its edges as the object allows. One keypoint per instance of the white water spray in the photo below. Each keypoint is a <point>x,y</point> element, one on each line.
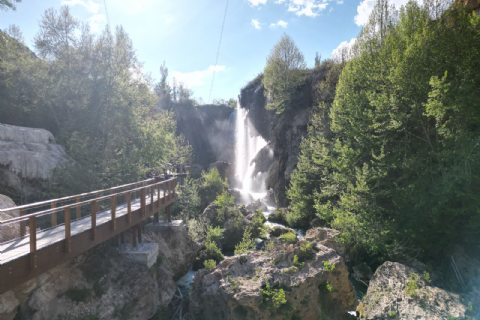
<point>247,145</point>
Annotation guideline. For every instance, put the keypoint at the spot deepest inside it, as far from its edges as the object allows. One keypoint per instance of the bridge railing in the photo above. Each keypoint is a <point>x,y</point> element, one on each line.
<point>46,216</point>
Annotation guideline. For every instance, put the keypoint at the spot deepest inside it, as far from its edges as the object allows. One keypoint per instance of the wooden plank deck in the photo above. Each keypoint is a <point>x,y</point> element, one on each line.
<point>16,249</point>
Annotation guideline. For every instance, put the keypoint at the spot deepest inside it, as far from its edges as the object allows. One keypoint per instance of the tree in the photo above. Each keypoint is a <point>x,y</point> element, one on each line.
<point>318,60</point>
<point>8,4</point>
<point>283,74</point>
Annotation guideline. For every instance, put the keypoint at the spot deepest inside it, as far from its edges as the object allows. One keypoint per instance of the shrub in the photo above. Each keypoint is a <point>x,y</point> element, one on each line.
<point>215,235</point>
<point>412,284</point>
<point>210,264</point>
<point>211,186</point>
<point>272,297</point>
<point>213,251</point>
<point>289,237</point>
<point>247,243</point>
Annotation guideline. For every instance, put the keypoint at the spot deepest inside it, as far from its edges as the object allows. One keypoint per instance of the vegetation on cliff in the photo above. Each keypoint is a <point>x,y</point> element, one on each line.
<point>393,162</point>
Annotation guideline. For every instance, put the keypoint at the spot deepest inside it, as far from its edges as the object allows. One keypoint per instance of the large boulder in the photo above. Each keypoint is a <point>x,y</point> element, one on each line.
<point>327,237</point>
<point>256,205</point>
<point>11,231</point>
<point>397,291</point>
<point>242,287</point>
<point>27,154</point>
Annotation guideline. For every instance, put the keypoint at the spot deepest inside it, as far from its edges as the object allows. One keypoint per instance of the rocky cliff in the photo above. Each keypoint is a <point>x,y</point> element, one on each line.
<point>283,131</point>
<point>209,129</point>
<point>27,154</point>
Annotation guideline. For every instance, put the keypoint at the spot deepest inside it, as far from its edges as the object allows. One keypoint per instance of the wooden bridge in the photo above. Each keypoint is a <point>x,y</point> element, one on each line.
<point>45,234</point>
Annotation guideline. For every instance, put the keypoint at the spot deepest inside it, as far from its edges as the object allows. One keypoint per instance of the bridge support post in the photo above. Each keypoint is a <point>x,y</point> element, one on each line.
<point>93,212</point>
<point>134,236</point>
<point>168,213</point>
<point>139,233</point>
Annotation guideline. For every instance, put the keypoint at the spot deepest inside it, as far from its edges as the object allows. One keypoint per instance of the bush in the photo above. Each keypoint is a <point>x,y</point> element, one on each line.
<point>247,243</point>
<point>211,186</point>
<point>289,237</point>
<point>213,251</point>
<point>273,297</point>
<point>210,264</point>
<point>215,235</point>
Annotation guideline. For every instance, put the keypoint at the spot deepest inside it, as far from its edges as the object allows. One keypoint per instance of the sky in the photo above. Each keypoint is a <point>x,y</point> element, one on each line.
<point>186,33</point>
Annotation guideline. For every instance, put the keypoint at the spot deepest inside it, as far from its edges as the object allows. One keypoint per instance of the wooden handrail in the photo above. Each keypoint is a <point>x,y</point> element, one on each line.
<point>73,205</point>
<point>36,204</point>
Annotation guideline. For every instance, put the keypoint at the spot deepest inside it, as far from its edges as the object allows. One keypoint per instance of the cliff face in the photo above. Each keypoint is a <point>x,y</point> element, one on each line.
<point>209,129</point>
<point>27,153</point>
<point>283,131</point>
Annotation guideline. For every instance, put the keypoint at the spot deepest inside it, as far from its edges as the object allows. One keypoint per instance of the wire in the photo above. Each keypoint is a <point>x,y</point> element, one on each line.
<point>106,11</point>
<point>218,52</point>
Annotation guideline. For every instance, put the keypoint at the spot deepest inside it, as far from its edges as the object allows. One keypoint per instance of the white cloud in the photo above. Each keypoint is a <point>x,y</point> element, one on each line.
<point>257,2</point>
<point>280,23</point>
<point>343,49</point>
<point>309,8</point>
<point>196,78</point>
<point>366,7</point>
<point>169,20</point>
<point>90,5</point>
<point>95,21</point>
<point>256,24</point>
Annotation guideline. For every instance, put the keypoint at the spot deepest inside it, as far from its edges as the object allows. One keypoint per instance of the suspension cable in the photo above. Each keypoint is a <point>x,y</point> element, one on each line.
<point>218,53</point>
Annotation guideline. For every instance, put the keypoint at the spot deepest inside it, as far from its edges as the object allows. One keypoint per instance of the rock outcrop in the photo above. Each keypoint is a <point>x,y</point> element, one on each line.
<point>283,131</point>
<point>246,286</point>
<point>397,291</point>
<point>329,238</point>
<point>103,284</point>
<point>12,231</point>
<point>210,131</point>
<point>27,153</point>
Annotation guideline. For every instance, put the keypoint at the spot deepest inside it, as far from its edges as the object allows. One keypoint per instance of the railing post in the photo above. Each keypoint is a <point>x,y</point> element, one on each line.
<point>93,211</point>
<point>174,184</point>
<point>152,191</point>
<point>113,200</point>
<point>158,195</point>
<point>33,242</point>
<point>129,208</point>
<point>23,224</point>
<point>142,201</point>
<point>68,230</point>
<point>169,190</point>
<point>79,209</point>
<point>54,215</point>
<point>164,199</point>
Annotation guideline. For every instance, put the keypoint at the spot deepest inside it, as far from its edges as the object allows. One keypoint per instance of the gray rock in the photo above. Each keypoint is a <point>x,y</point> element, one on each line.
<point>233,290</point>
<point>27,153</point>
<point>387,297</point>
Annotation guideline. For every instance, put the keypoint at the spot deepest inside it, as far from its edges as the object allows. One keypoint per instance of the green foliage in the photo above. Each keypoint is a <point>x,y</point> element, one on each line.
<point>8,4</point>
<point>289,237</point>
<point>213,251</point>
<point>225,200</point>
<point>264,231</point>
<point>297,263</point>
<point>393,162</point>
<point>215,234</point>
<point>211,186</point>
<point>392,314</point>
<point>272,298</point>
<point>209,264</point>
<point>412,284</point>
<point>257,225</point>
<point>327,266</point>
<point>426,277</point>
<point>187,200</point>
<point>247,244</point>
<point>283,74</point>
<point>88,90</point>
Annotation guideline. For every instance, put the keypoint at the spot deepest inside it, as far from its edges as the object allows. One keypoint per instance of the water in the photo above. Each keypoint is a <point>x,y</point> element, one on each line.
<point>247,144</point>
<point>185,282</point>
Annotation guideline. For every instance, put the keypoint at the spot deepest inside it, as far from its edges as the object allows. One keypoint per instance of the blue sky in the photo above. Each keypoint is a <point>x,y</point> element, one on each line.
<point>185,33</point>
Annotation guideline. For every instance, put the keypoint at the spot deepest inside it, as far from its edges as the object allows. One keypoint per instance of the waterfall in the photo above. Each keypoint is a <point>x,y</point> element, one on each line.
<point>247,144</point>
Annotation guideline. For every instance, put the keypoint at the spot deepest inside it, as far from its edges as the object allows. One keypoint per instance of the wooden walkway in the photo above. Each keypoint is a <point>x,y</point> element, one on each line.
<point>28,251</point>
